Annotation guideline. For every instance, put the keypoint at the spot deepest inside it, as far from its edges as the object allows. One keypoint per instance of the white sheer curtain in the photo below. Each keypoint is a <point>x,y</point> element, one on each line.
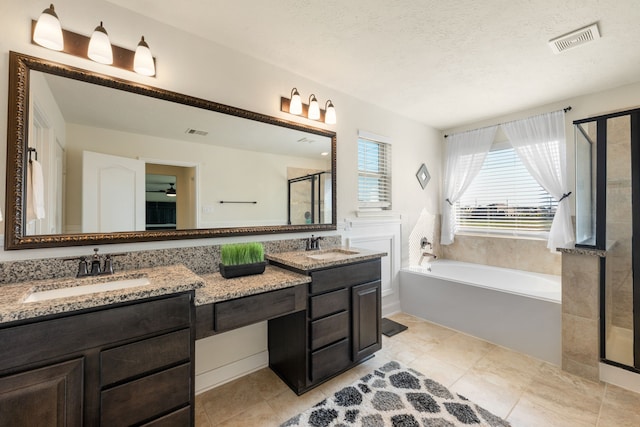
<point>464,155</point>
<point>540,143</point>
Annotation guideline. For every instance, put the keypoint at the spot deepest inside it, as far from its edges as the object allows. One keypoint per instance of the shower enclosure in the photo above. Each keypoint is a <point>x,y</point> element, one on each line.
<point>309,199</point>
<point>608,218</point>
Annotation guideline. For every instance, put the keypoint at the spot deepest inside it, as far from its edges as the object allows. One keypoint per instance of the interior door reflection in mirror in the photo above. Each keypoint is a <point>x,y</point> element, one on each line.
<point>103,152</point>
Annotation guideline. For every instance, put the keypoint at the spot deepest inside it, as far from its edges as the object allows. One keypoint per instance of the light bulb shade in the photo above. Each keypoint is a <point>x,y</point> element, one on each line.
<point>329,113</point>
<point>170,192</point>
<point>48,32</point>
<point>100,47</point>
<point>143,60</point>
<point>314,108</point>
<point>295,105</point>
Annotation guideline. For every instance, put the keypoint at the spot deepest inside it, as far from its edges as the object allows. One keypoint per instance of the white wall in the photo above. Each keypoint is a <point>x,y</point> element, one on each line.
<point>228,77</point>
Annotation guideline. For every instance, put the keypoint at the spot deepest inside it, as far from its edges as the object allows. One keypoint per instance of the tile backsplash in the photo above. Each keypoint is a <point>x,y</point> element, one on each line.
<point>199,259</point>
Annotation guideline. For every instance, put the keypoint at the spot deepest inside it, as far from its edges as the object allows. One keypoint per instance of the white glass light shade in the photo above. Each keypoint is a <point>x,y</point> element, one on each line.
<point>143,60</point>
<point>100,47</point>
<point>48,32</point>
<point>170,192</point>
<point>295,106</point>
<point>314,108</point>
<point>330,113</point>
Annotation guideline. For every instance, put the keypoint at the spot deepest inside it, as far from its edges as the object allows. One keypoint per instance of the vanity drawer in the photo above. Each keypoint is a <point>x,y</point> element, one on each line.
<point>135,359</point>
<point>330,329</point>
<point>56,337</point>
<point>330,360</point>
<point>179,418</point>
<point>325,304</point>
<point>340,277</point>
<point>142,399</point>
<point>244,311</point>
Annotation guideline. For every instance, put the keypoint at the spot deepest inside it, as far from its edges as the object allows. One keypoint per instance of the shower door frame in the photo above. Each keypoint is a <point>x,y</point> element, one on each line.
<point>601,224</point>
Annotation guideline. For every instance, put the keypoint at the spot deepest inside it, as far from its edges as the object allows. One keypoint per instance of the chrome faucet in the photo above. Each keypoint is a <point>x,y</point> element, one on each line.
<point>312,243</point>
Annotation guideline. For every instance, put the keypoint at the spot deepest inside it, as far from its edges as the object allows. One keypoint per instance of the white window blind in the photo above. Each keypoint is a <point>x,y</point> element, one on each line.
<point>374,174</point>
<point>504,198</point>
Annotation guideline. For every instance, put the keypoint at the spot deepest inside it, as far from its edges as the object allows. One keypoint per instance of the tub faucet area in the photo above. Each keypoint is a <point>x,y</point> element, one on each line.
<point>424,242</point>
<point>426,255</point>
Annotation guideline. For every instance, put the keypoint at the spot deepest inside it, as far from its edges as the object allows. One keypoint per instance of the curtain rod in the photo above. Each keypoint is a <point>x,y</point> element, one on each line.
<point>504,123</point>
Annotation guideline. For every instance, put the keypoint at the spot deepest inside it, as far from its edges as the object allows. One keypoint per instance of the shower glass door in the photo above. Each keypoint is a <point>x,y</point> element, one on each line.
<point>608,218</point>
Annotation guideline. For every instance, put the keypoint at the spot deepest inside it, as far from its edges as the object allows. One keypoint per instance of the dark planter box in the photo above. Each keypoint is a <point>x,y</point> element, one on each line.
<point>229,271</point>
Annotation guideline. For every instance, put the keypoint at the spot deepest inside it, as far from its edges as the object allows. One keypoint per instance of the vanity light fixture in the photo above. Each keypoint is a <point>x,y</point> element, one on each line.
<point>100,46</point>
<point>330,113</point>
<point>312,110</point>
<point>143,60</point>
<point>295,106</point>
<point>48,32</point>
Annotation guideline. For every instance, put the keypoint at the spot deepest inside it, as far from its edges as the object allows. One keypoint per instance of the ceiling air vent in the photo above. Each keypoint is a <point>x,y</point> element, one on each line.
<point>575,38</point>
<point>196,132</point>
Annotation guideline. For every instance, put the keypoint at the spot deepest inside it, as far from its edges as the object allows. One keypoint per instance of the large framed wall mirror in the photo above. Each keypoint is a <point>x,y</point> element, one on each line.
<point>95,159</point>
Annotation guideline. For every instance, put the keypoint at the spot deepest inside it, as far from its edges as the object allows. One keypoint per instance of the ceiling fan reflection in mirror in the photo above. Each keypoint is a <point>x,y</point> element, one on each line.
<point>169,192</point>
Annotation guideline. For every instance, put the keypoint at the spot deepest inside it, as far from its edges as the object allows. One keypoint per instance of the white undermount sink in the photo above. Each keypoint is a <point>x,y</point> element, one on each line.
<point>332,254</point>
<point>73,291</point>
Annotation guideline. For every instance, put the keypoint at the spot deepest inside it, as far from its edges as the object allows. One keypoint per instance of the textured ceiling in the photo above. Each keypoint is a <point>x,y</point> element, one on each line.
<point>443,63</point>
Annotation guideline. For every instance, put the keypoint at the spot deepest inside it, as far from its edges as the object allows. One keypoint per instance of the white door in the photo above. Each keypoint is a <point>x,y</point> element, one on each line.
<point>113,197</point>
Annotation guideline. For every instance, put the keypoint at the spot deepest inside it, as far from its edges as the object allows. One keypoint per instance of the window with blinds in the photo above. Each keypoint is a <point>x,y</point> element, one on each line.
<point>374,174</point>
<point>505,199</point>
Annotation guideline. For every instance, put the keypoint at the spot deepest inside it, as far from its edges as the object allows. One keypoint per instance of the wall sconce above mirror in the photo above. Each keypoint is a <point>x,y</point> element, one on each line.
<point>48,32</point>
<point>312,110</point>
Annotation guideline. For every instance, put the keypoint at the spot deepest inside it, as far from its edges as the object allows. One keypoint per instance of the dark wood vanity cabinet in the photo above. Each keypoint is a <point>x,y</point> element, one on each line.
<point>341,326</point>
<point>122,365</point>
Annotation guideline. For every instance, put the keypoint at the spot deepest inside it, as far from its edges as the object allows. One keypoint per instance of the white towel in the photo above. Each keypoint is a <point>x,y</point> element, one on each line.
<point>35,191</point>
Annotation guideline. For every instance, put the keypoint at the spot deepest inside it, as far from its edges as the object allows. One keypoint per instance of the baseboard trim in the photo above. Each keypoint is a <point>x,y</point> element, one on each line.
<point>224,374</point>
<point>390,308</point>
<point>620,377</point>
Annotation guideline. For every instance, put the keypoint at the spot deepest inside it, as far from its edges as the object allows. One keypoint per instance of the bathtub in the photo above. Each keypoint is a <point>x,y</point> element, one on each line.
<point>512,308</point>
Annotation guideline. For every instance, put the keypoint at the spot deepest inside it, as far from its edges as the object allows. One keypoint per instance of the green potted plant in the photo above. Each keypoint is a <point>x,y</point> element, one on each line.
<point>241,259</point>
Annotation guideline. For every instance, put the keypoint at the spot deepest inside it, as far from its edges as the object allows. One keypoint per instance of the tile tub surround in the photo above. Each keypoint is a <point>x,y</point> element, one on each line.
<point>163,281</point>
<point>581,313</point>
<point>300,259</point>
<point>518,254</point>
<point>199,259</point>
<point>217,288</point>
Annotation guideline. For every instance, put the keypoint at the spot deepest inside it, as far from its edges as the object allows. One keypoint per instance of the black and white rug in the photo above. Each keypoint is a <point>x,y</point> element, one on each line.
<point>396,396</point>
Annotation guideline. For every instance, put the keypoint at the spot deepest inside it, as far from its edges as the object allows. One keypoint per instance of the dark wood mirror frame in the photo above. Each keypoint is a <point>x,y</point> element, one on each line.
<point>17,140</point>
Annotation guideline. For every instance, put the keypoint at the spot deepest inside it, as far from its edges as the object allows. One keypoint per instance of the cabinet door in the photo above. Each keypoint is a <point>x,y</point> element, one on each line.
<point>47,396</point>
<point>366,300</point>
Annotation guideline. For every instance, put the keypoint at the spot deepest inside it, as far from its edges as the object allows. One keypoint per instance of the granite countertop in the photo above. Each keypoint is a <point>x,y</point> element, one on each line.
<point>217,288</point>
<point>163,281</point>
<point>304,261</point>
<point>602,253</point>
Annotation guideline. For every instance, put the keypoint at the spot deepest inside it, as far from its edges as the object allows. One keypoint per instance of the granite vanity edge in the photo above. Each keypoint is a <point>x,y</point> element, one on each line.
<point>164,280</point>
<point>602,253</point>
<point>218,289</point>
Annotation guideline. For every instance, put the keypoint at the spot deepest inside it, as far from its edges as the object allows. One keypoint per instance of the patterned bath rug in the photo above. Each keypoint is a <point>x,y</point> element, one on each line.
<point>396,396</point>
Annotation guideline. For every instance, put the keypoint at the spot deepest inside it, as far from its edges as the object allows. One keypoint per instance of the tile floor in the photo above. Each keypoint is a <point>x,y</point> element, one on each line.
<point>521,389</point>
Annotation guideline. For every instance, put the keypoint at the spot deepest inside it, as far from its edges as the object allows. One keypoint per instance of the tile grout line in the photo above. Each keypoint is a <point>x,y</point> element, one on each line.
<point>604,393</point>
